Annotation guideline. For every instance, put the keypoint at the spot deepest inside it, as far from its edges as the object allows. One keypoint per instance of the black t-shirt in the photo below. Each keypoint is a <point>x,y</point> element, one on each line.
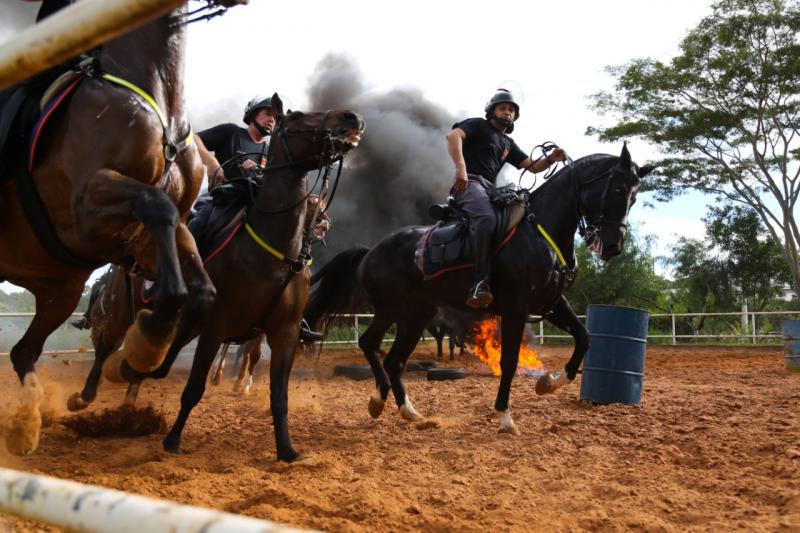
<point>486,149</point>
<point>229,140</point>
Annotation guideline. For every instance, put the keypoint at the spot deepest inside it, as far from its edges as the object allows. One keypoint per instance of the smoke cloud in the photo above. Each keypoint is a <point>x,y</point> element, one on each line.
<point>401,165</point>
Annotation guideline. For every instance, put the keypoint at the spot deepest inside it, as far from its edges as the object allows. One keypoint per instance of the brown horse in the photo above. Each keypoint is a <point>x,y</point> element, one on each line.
<point>261,277</point>
<point>249,354</point>
<point>116,173</point>
<point>115,301</point>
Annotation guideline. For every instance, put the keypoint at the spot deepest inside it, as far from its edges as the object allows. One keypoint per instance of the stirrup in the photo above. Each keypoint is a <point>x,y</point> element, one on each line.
<point>480,295</point>
<point>307,334</point>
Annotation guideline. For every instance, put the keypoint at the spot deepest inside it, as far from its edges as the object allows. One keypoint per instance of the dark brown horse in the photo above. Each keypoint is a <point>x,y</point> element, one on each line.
<point>114,302</point>
<point>111,194</point>
<point>261,277</point>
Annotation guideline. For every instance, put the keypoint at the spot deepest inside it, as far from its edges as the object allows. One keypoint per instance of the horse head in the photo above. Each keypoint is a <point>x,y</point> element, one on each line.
<point>605,202</point>
<point>311,140</point>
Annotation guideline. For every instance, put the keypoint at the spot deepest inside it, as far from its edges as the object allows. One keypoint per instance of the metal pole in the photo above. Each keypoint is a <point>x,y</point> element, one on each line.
<point>75,29</point>
<point>78,507</point>
<point>674,342</point>
<point>541,332</point>
<point>754,327</point>
<point>355,326</point>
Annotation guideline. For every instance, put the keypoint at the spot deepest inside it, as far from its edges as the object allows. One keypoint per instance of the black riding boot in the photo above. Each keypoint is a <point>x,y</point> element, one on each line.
<point>480,295</point>
<point>307,334</point>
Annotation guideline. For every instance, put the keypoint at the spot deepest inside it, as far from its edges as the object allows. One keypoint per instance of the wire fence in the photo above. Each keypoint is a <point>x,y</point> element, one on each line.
<point>746,327</point>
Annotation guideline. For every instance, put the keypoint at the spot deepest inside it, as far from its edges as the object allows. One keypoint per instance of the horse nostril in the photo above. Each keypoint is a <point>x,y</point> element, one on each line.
<point>348,115</point>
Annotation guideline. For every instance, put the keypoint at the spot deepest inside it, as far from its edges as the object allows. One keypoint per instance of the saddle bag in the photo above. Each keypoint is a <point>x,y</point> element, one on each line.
<point>449,242</point>
<point>502,197</point>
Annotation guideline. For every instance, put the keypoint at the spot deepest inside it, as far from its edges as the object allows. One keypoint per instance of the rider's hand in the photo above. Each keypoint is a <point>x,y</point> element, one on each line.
<point>248,164</point>
<point>216,177</point>
<point>558,154</point>
<point>461,182</point>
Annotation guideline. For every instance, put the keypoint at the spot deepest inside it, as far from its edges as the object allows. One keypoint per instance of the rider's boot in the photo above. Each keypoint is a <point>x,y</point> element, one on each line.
<point>480,294</point>
<point>307,334</point>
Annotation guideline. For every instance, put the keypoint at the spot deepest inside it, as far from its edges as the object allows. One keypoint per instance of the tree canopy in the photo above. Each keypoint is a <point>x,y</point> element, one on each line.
<point>725,113</point>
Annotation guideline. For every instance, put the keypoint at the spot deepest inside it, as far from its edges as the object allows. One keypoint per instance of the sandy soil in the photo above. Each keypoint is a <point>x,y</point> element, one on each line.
<point>714,446</point>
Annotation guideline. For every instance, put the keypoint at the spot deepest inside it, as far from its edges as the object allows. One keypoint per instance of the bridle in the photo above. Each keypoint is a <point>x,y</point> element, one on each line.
<point>589,229</point>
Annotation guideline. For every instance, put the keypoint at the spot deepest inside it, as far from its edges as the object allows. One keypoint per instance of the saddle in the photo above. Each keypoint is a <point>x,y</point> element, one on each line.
<point>446,245</point>
<point>219,212</point>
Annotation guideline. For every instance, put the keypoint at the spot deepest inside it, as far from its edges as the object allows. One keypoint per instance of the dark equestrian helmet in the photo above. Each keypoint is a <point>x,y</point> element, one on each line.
<point>500,96</point>
<point>254,105</point>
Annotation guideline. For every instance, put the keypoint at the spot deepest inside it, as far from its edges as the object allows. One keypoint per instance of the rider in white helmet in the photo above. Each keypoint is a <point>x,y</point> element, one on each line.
<point>479,147</point>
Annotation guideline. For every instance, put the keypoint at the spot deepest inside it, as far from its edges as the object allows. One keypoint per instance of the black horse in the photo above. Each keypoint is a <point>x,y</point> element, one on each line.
<point>529,276</point>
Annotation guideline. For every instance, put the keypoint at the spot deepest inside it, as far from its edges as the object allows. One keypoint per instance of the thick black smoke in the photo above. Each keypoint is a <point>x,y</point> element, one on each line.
<point>401,165</point>
<point>16,15</point>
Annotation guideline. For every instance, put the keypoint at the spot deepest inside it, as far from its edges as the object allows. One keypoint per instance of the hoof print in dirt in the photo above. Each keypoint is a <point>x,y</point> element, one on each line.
<point>445,374</point>
<point>356,372</point>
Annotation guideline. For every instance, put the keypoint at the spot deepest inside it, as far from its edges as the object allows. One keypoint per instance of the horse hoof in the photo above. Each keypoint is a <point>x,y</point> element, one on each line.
<point>289,456</point>
<point>112,368</point>
<point>410,415</point>
<point>171,446</point>
<point>550,382</point>
<point>76,403</point>
<point>510,429</point>
<point>215,379</point>
<point>376,406</point>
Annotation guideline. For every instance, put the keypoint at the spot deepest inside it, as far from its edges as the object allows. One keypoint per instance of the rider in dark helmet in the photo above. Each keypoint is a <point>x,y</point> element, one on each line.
<point>479,147</point>
<point>229,140</point>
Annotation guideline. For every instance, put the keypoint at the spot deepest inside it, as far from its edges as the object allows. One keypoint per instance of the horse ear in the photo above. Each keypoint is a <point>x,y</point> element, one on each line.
<point>645,170</point>
<point>277,104</point>
<point>625,157</point>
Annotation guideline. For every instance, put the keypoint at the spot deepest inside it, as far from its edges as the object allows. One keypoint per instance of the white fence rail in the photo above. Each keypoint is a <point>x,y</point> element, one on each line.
<point>747,330</point>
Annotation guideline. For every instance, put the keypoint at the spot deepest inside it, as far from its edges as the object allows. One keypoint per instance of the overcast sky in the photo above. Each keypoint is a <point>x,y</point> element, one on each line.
<point>455,53</point>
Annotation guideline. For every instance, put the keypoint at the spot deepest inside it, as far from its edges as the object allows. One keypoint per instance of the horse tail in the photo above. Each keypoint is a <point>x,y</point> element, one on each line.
<point>336,287</point>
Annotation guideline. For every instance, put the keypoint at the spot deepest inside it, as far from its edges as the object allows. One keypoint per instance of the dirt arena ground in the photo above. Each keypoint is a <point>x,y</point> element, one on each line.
<point>715,445</point>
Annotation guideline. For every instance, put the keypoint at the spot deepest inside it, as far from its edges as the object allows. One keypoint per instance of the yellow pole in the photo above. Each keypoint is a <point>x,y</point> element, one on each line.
<point>75,29</point>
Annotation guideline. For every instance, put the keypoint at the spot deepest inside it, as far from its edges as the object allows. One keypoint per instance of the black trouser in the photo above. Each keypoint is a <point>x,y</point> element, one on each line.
<point>475,202</point>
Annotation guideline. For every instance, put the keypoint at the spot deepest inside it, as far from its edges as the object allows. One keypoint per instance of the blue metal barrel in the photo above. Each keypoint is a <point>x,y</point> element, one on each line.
<point>791,344</point>
<point>613,369</point>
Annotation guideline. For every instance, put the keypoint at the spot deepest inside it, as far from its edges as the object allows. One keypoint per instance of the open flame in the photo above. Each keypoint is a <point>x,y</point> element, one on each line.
<point>487,348</point>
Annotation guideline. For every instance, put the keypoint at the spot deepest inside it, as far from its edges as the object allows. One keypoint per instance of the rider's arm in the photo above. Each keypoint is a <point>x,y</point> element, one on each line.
<point>558,154</point>
<point>455,141</point>
<point>213,170</point>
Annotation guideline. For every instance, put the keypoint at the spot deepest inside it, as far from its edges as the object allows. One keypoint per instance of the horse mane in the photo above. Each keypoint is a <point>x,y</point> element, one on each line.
<point>577,165</point>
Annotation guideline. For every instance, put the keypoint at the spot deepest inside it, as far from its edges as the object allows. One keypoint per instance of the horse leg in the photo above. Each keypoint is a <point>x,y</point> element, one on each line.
<point>452,342</point>
<point>254,358</point>
<point>110,200</point>
<point>283,341</point>
<point>103,348</point>
<point>132,393</point>
<point>513,326</point>
<point>216,376</point>
<point>193,314</point>
<point>251,354</point>
<point>54,305</point>
<point>565,318</point>
<point>370,344</point>
<point>438,334</point>
<point>408,335</point>
<point>207,347</point>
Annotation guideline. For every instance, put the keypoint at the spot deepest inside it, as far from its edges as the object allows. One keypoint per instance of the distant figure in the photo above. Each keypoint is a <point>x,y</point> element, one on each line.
<point>455,324</point>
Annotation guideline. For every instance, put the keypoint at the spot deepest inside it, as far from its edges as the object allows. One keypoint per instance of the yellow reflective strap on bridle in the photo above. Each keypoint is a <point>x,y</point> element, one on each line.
<point>272,251</point>
<point>147,98</point>
<point>553,244</point>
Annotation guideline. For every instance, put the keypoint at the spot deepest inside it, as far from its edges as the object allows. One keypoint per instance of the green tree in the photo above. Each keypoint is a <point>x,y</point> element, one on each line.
<point>629,279</point>
<point>725,112</point>
<point>749,255</point>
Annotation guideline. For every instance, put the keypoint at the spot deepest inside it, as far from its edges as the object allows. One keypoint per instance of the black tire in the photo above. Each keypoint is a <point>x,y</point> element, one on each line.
<point>428,364</point>
<point>445,374</point>
<point>356,372</point>
<point>414,366</point>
